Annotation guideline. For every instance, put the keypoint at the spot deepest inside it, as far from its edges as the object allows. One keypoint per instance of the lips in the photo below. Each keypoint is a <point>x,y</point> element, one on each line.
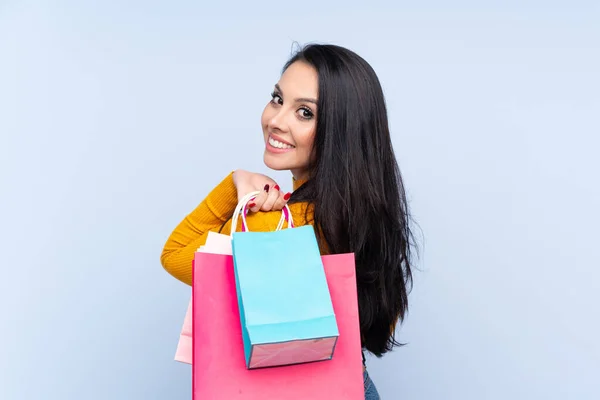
<point>279,143</point>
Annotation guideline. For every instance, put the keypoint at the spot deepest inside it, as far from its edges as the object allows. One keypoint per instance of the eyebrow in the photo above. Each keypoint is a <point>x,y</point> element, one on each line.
<point>299,100</point>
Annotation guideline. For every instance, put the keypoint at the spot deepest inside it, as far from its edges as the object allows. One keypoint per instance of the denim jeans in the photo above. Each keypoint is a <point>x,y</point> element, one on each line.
<point>370,389</point>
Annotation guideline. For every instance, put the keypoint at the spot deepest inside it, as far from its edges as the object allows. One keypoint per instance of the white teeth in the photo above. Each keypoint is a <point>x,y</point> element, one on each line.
<point>278,144</point>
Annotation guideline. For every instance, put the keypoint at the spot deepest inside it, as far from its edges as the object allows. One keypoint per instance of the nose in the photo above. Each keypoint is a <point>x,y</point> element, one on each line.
<point>277,122</point>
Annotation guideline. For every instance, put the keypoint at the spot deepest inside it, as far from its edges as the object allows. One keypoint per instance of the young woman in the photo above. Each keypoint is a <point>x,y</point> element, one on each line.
<point>326,123</point>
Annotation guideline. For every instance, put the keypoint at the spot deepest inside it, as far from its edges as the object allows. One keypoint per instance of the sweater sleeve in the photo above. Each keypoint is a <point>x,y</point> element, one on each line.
<point>191,233</point>
<point>212,214</point>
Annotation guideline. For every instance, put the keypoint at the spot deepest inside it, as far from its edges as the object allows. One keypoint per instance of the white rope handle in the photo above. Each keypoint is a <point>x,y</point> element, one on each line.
<point>286,214</point>
<point>238,209</point>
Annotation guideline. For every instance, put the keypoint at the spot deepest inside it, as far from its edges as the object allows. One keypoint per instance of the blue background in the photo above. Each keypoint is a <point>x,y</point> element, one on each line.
<point>117,118</point>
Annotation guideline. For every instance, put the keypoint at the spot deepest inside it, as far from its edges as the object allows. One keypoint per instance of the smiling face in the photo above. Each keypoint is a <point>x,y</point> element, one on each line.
<point>289,120</point>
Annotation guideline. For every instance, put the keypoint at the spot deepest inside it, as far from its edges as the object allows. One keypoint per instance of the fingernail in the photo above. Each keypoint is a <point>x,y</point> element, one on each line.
<point>287,196</point>
<point>267,188</point>
<point>276,187</point>
<point>251,205</point>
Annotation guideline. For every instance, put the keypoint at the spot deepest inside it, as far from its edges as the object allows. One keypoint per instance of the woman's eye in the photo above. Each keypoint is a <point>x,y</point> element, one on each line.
<point>276,99</point>
<point>305,113</point>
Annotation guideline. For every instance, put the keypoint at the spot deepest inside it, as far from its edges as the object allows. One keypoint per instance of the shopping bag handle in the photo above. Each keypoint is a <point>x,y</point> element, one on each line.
<point>242,209</point>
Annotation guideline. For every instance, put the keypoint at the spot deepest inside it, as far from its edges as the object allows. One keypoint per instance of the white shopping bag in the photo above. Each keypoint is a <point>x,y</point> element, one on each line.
<point>216,243</point>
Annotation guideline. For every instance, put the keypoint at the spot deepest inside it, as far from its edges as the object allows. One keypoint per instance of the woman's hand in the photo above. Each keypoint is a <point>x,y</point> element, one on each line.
<point>270,197</point>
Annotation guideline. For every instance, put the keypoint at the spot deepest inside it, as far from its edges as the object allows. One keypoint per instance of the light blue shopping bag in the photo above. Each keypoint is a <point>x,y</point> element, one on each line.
<point>285,307</point>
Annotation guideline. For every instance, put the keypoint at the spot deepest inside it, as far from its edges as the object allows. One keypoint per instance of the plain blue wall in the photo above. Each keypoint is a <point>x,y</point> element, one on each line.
<point>116,120</point>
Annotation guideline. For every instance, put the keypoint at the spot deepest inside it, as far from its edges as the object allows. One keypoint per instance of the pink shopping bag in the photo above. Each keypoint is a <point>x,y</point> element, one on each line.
<point>219,368</point>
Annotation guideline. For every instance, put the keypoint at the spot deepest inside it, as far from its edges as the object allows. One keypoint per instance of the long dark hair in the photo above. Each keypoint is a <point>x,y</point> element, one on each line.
<point>356,191</point>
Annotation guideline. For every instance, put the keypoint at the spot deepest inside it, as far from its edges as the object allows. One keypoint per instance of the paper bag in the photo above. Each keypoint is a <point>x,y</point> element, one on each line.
<point>285,307</point>
<point>216,243</point>
<point>219,368</point>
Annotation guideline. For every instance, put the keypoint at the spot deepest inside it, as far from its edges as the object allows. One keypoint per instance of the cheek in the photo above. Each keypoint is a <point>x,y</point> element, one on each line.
<point>307,137</point>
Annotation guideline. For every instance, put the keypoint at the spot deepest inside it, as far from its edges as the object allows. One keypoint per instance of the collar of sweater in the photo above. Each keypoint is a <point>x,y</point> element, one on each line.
<point>298,182</point>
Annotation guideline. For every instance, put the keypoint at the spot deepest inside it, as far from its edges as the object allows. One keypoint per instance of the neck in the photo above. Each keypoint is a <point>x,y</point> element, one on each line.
<point>300,174</point>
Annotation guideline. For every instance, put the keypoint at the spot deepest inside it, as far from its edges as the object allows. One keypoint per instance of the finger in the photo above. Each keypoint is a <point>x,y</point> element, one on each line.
<point>256,204</point>
<point>271,198</point>
<point>281,201</point>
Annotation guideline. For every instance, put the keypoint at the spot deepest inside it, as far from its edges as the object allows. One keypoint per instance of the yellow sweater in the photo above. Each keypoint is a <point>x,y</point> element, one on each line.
<point>216,210</point>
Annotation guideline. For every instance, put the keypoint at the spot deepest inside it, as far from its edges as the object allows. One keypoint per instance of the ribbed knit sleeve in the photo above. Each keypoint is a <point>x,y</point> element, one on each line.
<point>211,214</point>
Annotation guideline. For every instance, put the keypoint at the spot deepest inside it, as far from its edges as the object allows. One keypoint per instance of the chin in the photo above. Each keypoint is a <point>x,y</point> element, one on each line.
<point>274,164</point>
